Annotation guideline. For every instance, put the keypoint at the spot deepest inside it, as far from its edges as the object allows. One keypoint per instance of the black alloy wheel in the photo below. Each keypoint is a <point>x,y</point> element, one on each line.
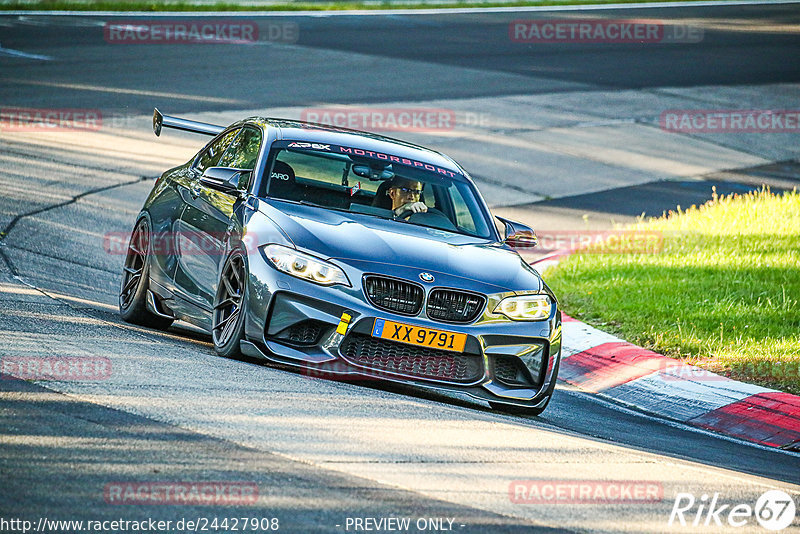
<point>229,307</point>
<point>135,281</point>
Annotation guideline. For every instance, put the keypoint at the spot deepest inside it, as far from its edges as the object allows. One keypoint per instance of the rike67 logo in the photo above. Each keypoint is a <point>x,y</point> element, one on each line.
<point>774,510</point>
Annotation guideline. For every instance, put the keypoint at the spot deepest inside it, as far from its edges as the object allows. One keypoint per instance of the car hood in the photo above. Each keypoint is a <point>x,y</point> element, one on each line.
<point>390,247</point>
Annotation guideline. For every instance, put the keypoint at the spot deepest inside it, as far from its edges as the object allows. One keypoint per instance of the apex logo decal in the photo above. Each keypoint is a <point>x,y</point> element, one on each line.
<point>426,277</point>
<point>315,146</point>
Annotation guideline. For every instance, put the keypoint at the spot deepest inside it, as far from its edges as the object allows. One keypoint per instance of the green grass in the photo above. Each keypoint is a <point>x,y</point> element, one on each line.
<point>269,5</point>
<point>722,294</point>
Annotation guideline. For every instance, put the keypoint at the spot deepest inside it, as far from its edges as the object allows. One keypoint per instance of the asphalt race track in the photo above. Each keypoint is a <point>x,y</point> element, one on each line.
<point>557,134</point>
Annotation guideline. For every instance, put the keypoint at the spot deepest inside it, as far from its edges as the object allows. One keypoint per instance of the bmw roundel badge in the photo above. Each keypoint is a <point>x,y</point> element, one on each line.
<point>426,277</point>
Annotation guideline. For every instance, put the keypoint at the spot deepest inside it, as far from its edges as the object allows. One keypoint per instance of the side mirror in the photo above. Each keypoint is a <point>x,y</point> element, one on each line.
<point>518,235</point>
<point>224,179</point>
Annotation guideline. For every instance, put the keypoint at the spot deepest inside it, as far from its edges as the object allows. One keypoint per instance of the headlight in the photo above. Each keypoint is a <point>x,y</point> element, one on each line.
<point>525,307</point>
<point>305,266</point>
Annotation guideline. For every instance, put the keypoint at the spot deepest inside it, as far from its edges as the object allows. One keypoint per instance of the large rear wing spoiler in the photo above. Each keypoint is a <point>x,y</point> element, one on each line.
<point>160,120</point>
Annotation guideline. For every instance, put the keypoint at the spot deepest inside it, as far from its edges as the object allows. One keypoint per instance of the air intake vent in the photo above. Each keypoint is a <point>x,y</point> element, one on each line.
<point>511,371</point>
<point>303,333</point>
<point>454,306</point>
<point>393,295</point>
<point>408,360</point>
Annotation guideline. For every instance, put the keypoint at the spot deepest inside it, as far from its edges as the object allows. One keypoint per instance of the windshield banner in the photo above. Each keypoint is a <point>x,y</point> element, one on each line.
<point>380,156</point>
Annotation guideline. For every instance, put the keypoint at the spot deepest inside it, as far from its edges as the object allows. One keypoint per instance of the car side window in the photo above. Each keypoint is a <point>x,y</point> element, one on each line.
<point>243,151</point>
<point>465,219</point>
<point>214,151</point>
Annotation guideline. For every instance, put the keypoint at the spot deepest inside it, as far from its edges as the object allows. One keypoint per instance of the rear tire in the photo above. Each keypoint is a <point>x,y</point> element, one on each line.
<point>136,281</point>
<point>229,307</point>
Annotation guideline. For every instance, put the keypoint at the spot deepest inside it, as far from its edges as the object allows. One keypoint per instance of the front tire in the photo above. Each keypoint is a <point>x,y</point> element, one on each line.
<point>229,307</point>
<point>135,281</point>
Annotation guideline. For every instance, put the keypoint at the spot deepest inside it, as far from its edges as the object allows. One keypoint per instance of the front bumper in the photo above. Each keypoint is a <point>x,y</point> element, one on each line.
<point>300,324</point>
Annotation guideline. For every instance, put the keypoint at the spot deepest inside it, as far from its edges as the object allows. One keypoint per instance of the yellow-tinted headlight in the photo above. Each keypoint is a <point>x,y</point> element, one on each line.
<point>305,266</point>
<point>525,307</point>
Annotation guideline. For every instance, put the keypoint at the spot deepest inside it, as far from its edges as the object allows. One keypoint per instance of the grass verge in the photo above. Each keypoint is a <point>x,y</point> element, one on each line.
<point>268,5</point>
<point>722,294</point>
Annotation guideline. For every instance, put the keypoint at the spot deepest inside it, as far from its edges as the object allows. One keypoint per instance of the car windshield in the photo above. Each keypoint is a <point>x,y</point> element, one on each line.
<point>349,179</point>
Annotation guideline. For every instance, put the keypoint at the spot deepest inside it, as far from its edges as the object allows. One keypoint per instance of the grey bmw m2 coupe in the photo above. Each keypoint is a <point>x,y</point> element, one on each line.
<point>347,254</point>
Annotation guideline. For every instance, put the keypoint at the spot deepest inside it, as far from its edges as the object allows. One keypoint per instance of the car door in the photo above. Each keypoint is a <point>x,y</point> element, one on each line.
<point>165,207</point>
<point>167,202</point>
<point>208,219</point>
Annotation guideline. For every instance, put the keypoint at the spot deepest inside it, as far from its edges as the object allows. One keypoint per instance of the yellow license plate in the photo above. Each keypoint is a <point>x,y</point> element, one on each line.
<point>417,335</point>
